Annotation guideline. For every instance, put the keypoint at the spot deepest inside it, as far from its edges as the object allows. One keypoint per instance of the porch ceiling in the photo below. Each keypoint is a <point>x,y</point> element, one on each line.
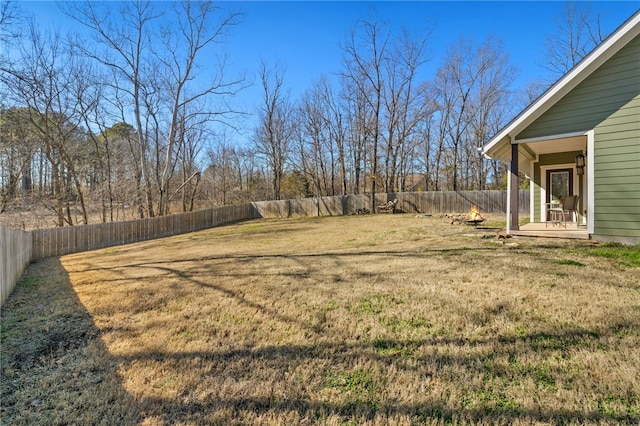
<point>529,150</point>
<point>550,146</point>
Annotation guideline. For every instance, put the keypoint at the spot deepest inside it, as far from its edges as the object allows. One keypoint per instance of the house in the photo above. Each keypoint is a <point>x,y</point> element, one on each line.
<point>581,137</point>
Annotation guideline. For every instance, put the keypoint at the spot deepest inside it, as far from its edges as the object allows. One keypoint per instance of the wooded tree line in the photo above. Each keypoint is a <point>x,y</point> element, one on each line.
<point>129,120</point>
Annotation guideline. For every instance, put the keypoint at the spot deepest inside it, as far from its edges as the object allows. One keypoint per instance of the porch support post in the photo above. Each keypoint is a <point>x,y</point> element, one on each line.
<point>513,170</point>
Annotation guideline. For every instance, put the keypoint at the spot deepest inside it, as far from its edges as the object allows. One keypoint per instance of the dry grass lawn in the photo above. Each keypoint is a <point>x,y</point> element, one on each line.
<point>390,319</point>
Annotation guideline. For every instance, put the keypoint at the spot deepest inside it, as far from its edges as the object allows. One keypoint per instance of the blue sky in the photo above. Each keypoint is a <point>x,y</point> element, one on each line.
<point>305,36</point>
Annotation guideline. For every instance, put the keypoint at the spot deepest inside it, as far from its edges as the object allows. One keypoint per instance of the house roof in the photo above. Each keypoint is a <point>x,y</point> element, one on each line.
<point>498,146</point>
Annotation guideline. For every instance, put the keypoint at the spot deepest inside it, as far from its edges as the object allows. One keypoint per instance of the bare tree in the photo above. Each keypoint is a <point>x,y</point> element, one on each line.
<point>490,107</point>
<point>428,140</point>
<point>312,139</point>
<point>322,128</point>
<point>276,128</point>
<point>471,85</point>
<point>578,32</point>
<point>357,134</point>
<point>337,118</point>
<point>118,168</point>
<point>11,18</point>
<point>364,52</point>
<point>50,83</point>
<point>119,44</point>
<point>195,33</point>
<point>153,66</point>
<point>220,173</point>
<point>402,103</point>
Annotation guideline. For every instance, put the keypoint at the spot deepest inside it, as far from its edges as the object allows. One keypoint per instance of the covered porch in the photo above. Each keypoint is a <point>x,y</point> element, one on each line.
<point>584,124</point>
<point>558,168</point>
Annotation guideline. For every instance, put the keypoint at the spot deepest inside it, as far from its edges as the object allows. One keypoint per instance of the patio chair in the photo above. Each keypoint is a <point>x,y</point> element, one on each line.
<point>555,215</point>
<point>570,205</point>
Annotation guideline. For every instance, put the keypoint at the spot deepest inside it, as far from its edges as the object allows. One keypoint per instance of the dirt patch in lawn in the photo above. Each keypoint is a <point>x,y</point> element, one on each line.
<point>391,319</point>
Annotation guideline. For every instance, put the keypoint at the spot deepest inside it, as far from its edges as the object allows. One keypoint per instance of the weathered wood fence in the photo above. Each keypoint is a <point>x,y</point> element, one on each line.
<point>15,254</point>
<point>73,239</point>
<point>436,202</point>
<point>18,247</point>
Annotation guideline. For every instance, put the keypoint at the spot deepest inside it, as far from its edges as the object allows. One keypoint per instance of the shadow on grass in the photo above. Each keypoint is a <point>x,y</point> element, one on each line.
<point>55,369</point>
<point>491,405</point>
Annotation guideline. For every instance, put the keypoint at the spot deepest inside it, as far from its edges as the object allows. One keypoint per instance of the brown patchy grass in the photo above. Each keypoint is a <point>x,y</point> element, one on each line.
<point>344,320</point>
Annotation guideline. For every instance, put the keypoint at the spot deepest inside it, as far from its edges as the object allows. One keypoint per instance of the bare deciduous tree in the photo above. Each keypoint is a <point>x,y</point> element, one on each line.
<point>153,68</point>
<point>578,32</point>
<point>471,85</point>
<point>364,52</point>
<point>188,108</point>
<point>10,19</point>
<point>50,83</point>
<point>276,128</point>
<point>402,104</point>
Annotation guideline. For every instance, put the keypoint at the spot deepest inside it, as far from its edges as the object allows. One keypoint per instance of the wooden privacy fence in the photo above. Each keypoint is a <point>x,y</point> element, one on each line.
<point>323,206</point>
<point>440,202</point>
<point>437,202</point>
<point>18,247</point>
<point>73,239</point>
<point>15,254</point>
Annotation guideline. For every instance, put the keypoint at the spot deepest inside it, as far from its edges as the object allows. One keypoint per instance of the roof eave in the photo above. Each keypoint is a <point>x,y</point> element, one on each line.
<point>611,45</point>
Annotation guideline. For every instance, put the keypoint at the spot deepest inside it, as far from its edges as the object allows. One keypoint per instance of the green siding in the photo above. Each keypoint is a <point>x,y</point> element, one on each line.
<point>609,89</point>
<point>617,160</point>
<point>608,101</point>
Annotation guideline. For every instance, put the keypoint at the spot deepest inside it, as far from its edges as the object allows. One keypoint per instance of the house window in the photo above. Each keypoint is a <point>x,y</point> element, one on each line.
<point>560,184</point>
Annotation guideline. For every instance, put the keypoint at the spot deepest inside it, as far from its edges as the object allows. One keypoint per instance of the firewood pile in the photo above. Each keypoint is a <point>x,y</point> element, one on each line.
<point>389,207</point>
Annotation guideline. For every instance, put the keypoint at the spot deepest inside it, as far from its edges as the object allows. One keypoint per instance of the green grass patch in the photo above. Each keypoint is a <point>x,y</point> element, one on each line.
<point>329,307</point>
<point>628,255</point>
<point>386,347</point>
<point>31,282</point>
<point>358,393</point>
<point>355,383</point>
<point>374,304</point>
<point>7,331</point>
<point>400,324</point>
<point>521,331</point>
<point>543,378</point>
<point>251,227</point>
<point>621,408</point>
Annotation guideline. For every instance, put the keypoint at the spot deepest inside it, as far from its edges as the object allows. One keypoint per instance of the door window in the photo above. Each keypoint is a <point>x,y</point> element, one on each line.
<point>560,184</point>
